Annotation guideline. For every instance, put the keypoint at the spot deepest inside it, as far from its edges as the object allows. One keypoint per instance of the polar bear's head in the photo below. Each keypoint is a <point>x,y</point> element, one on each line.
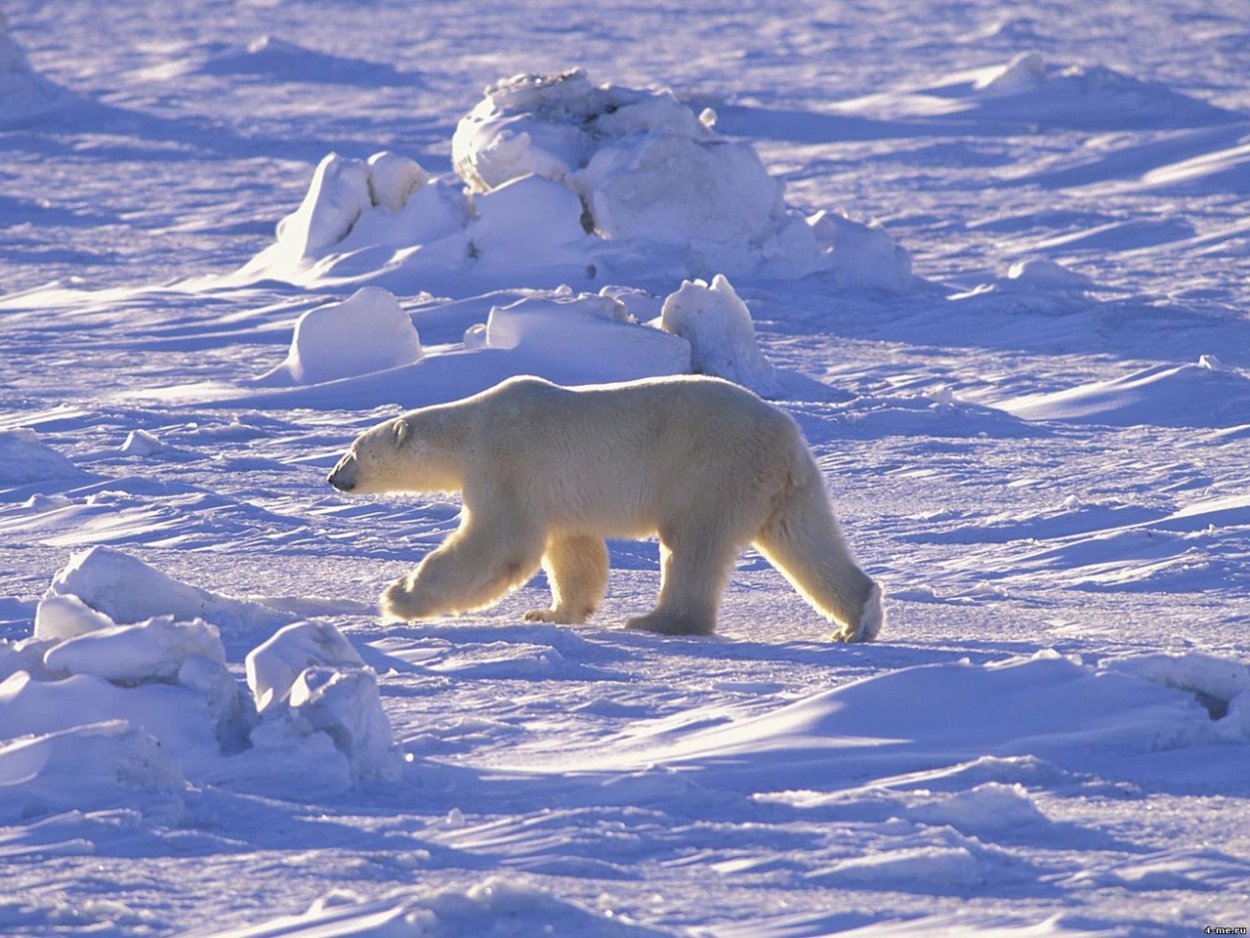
<point>406,454</point>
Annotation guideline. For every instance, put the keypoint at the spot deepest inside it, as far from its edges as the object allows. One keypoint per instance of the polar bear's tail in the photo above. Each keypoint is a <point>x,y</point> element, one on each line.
<point>802,539</point>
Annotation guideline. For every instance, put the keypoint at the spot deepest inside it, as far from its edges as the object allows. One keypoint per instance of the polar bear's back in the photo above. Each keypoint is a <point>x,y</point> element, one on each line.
<point>618,457</point>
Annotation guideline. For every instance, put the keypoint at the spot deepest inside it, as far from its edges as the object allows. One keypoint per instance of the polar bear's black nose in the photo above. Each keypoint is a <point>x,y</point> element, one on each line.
<point>343,476</point>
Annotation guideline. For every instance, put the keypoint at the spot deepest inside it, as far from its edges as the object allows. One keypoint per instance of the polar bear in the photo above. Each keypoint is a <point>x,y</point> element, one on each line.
<point>547,472</point>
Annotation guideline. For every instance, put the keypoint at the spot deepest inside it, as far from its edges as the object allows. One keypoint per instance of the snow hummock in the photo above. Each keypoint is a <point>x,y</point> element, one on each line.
<point>367,332</point>
<point>497,906</point>
<point>587,338</point>
<point>860,255</point>
<point>562,180</point>
<point>127,590</point>
<point>149,704</point>
<point>142,443</point>
<point>25,458</point>
<point>718,326</point>
<point>307,681</point>
<point>24,94</point>
<point>1043,274</point>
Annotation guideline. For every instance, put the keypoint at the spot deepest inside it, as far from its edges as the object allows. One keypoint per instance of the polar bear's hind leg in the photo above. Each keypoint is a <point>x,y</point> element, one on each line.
<point>577,569</point>
<point>804,542</point>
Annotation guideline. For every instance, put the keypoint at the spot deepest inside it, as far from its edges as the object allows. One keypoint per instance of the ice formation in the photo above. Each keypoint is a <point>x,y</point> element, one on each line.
<point>127,590</point>
<point>593,336</point>
<point>718,326</point>
<point>92,710</point>
<point>367,332</point>
<point>307,680</point>
<point>562,180</point>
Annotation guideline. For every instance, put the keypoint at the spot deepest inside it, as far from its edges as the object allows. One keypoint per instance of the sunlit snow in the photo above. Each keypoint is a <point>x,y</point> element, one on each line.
<point>993,261</point>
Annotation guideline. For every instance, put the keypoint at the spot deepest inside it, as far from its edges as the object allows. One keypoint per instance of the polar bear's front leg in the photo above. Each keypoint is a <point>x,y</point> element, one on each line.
<point>473,568</point>
<point>577,568</point>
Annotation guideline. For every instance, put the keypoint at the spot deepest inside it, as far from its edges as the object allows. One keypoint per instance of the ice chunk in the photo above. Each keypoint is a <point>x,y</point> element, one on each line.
<point>528,222</point>
<point>275,666</point>
<point>589,334</point>
<point>61,617</point>
<point>127,590</point>
<point>861,255</point>
<point>393,179</point>
<point>718,326</point>
<point>337,196</point>
<point>308,680</point>
<point>157,649</point>
<point>141,443</point>
<point>367,332</point>
<point>344,704</point>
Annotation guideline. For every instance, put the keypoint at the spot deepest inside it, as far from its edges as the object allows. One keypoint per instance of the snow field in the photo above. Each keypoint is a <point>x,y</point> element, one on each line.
<point>1024,379</point>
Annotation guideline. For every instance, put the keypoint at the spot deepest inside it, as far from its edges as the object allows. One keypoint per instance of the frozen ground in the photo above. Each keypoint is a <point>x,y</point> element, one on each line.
<point>1004,291</point>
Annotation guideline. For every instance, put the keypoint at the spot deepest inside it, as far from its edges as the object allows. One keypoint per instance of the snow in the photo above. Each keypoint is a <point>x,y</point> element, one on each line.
<point>993,261</point>
<point>366,332</point>
<point>717,324</point>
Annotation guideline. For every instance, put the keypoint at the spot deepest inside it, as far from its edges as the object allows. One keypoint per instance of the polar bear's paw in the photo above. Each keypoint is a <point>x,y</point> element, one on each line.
<point>871,619</point>
<point>667,623</point>
<point>560,615</point>
<point>402,600</point>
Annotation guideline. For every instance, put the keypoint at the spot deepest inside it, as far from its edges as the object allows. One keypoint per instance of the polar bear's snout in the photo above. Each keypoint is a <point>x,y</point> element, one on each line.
<point>343,476</point>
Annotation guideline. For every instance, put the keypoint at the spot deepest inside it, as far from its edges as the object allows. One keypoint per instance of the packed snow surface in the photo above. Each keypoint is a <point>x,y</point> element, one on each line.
<point>992,260</point>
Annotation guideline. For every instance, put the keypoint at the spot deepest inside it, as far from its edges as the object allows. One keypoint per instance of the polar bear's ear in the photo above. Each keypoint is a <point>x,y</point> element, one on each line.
<point>402,430</point>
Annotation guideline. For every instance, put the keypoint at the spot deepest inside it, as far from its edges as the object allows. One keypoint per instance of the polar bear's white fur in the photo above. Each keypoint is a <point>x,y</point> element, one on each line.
<point>548,472</point>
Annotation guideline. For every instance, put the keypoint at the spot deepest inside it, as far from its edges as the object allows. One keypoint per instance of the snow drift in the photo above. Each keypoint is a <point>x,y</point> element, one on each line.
<point>24,93</point>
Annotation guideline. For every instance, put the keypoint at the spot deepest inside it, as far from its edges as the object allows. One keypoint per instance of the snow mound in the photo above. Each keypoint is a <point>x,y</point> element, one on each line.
<point>24,459</point>
<point>148,705</point>
<point>1028,89</point>
<point>157,648</point>
<point>307,679</point>
<point>564,181</point>
<point>1219,684</point>
<point>127,590</point>
<point>272,59</point>
<point>83,766</point>
<point>161,688</point>
<point>587,338</point>
<point>718,326</point>
<point>860,256</point>
<point>1204,394</point>
<point>379,200</point>
<point>141,443</point>
<point>645,169</point>
<point>496,907</point>
<point>367,332</point>
<point>1041,274</point>
<point>24,94</point>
